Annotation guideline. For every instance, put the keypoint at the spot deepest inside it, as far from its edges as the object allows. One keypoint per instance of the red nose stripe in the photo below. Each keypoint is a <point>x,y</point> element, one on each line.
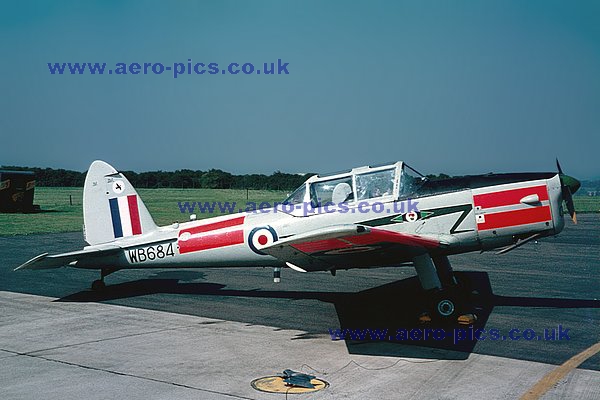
<point>517,217</point>
<point>509,197</point>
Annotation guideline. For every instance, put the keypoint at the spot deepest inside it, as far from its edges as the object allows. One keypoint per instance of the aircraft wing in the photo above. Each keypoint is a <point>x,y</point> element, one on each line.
<point>46,261</point>
<point>346,246</point>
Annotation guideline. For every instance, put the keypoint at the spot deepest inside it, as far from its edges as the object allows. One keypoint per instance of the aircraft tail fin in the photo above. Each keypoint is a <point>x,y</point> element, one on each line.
<point>112,209</point>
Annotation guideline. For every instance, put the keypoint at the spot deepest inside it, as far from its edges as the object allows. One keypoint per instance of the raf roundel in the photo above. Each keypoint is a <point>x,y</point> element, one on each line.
<point>261,237</point>
<point>411,216</point>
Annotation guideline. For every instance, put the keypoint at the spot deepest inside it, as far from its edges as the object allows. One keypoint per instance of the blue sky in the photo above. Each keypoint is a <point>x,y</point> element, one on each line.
<point>455,87</point>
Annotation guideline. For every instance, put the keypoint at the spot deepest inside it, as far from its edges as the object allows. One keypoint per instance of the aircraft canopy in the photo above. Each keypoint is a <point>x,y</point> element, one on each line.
<point>370,183</point>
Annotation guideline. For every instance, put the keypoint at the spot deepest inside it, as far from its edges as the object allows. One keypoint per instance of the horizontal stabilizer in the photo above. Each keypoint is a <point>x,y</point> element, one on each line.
<point>45,261</point>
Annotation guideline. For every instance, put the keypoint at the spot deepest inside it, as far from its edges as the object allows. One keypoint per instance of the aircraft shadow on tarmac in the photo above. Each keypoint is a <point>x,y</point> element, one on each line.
<point>393,306</point>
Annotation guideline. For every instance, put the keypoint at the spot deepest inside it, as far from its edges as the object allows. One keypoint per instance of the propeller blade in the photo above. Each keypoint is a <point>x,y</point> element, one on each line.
<point>569,186</point>
<point>568,198</point>
<point>558,167</point>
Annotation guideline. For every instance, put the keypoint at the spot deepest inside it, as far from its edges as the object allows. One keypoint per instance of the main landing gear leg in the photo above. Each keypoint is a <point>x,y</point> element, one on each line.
<point>99,284</point>
<point>437,278</point>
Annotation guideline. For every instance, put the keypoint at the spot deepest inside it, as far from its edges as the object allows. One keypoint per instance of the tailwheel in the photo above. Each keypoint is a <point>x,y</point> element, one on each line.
<point>98,285</point>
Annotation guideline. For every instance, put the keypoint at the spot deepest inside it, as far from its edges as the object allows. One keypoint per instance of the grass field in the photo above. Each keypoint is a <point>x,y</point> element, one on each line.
<point>60,216</point>
<point>163,204</point>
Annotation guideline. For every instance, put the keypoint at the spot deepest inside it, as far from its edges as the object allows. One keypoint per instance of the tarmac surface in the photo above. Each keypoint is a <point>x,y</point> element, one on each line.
<point>208,333</point>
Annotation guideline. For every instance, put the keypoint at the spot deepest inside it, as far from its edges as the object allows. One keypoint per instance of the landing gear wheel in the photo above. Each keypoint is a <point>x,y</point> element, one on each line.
<point>98,285</point>
<point>445,308</point>
<point>444,305</point>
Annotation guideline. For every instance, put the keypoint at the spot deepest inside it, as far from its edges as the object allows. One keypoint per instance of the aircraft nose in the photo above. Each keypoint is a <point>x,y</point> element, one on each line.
<point>571,182</point>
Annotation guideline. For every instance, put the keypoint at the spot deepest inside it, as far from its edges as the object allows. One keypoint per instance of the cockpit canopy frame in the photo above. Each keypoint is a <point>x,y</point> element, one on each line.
<point>381,183</point>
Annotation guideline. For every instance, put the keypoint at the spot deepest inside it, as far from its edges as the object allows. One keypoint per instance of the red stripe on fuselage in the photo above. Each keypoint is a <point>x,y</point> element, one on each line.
<point>514,218</point>
<point>509,197</point>
<point>211,241</point>
<point>214,226</point>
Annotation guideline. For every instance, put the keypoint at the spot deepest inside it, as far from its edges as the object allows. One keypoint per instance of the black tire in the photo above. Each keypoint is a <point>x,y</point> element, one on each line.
<point>98,285</point>
<point>444,305</point>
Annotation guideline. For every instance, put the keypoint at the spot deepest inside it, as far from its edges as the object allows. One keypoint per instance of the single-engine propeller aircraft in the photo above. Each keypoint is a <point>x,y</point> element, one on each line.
<point>352,219</point>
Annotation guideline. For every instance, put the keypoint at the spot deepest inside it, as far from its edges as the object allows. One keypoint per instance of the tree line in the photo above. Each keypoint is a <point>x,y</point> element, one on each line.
<point>189,179</point>
<point>184,178</point>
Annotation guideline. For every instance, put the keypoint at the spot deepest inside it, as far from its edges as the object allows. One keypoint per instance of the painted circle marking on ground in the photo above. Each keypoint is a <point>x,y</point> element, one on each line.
<point>275,384</point>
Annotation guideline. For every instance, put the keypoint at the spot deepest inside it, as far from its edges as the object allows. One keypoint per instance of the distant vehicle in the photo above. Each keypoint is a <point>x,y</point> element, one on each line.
<point>361,218</point>
<point>16,191</point>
